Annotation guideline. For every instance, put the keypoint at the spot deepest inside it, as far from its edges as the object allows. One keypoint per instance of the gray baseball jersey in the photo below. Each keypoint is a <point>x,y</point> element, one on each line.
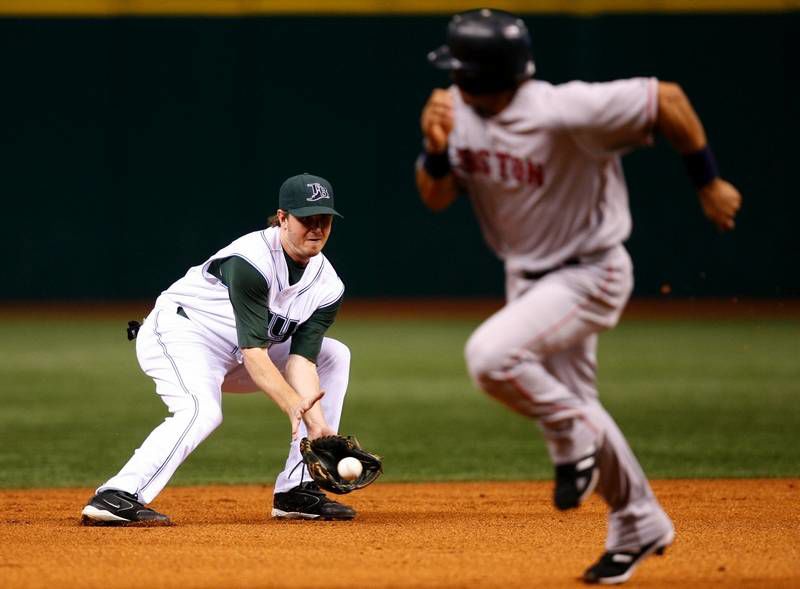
<point>545,179</point>
<point>544,175</point>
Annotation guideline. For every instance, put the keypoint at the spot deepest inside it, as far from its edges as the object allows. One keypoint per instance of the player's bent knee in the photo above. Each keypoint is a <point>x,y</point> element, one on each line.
<point>495,370</point>
<point>209,416</point>
<point>487,362</point>
<point>334,352</point>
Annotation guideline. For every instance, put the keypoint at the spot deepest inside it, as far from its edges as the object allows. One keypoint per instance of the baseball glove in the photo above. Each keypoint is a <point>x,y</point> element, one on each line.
<point>322,457</point>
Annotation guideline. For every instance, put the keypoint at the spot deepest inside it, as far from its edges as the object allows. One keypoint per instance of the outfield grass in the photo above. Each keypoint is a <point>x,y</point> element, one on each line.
<point>696,399</point>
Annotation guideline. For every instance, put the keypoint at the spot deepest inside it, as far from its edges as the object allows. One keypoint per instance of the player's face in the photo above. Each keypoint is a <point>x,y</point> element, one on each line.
<point>487,105</point>
<point>304,237</point>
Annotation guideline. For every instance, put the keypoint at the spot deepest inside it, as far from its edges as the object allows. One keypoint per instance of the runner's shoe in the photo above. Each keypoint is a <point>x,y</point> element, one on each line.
<point>575,481</point>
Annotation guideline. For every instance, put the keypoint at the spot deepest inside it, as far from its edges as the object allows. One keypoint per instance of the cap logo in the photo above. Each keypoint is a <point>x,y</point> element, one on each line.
<point>318,192</point>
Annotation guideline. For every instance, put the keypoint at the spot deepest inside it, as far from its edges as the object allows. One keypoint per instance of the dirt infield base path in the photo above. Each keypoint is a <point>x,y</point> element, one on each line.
<point>730,533</point>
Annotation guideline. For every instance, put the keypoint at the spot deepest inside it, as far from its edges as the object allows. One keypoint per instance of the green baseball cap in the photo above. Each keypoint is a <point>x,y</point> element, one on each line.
<point>305,195</point>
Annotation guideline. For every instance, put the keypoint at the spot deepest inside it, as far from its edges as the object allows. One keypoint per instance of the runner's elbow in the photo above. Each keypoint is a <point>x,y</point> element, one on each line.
<point>670,96</point>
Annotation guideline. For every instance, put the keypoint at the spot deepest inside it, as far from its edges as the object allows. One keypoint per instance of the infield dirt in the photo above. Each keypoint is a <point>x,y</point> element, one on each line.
<point>730,533</point>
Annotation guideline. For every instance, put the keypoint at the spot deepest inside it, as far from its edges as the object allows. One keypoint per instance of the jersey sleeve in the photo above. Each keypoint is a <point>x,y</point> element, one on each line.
<point>248,292</point>
<point>608,118</point>
<point>307,339</point>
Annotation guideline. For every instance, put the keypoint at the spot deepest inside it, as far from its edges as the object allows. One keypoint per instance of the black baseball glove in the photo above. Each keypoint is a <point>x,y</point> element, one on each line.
<point>322,457</point>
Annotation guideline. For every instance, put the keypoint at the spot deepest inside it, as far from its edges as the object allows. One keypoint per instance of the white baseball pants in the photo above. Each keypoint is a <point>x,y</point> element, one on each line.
<point>191,367</point>
<point>537,355</point>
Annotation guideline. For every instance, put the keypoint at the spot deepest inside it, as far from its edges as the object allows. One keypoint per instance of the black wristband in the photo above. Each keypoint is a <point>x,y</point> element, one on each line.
<point>437,165</point>
<point>701,167</point>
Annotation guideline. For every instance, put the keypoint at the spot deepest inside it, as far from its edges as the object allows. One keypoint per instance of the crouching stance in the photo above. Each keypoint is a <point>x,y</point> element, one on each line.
<point>251,317</point>
<point>541,165</point>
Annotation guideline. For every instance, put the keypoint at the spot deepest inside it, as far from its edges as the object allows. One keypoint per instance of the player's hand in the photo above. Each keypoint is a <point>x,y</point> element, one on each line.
<point>316,426</point>
<point>720,201</point>
<point>316,430</point>
<point>298,410</point>
<point>437,120</point>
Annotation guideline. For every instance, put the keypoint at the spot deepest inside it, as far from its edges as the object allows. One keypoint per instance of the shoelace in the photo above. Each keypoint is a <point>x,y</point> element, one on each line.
<point>302,471</point>
<point>311,486</point>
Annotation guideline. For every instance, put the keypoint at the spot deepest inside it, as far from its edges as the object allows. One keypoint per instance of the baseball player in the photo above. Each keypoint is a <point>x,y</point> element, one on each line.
<point>252,316</point>
<point>541,166</point>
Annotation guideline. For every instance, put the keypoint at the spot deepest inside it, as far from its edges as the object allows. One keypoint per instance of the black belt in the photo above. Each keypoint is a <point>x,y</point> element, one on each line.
<point>537,275</point>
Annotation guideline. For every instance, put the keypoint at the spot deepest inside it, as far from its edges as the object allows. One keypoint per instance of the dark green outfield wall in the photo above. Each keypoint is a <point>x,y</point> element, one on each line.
<point>132,148</point>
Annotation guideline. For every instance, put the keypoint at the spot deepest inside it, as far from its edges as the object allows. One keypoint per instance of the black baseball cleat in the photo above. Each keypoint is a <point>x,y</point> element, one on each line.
<point>307,501</point>
<point>617,567</point>
<point>575,482</point>
<point>118,508</point>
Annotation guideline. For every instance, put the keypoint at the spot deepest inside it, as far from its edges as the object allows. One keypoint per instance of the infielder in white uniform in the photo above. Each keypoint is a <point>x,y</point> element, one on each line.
<point>253,316</point>
<point>541,165</point>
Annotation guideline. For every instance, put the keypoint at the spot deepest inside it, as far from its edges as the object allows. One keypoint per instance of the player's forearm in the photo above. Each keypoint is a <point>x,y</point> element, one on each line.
<point>436,193</point>
<point>269,379</point>
<point>302,375</point>
<point>677,119</point>
<point>679,123</point>
<point>435,181</point>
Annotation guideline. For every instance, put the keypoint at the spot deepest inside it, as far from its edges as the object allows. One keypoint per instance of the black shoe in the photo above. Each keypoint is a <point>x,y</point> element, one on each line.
<point>118,508</point>
<point>617,567</point>
<point>308,502</point>
<point>575,481</point>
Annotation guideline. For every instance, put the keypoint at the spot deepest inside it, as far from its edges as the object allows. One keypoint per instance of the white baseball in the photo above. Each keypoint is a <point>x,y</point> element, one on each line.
<point>349,468</point>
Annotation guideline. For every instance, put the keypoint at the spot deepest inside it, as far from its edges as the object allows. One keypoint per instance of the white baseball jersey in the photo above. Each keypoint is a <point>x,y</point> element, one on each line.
<point>544,175</point>
<point>193,360</point>
<point>205,298</point>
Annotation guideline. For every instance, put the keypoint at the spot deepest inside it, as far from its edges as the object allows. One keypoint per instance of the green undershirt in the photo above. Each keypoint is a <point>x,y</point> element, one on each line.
<point>249,292</point>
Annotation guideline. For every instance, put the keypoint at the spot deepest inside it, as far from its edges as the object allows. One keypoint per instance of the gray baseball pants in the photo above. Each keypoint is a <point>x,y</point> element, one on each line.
<point>537,355</point>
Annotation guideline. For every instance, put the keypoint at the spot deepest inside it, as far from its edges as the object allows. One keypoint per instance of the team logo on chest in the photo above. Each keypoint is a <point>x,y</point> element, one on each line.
<point>318,192</point>
<point>280,328</point>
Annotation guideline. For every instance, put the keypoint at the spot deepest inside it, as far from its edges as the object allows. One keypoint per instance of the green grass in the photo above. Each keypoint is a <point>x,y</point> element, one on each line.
<point>696,399</point>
